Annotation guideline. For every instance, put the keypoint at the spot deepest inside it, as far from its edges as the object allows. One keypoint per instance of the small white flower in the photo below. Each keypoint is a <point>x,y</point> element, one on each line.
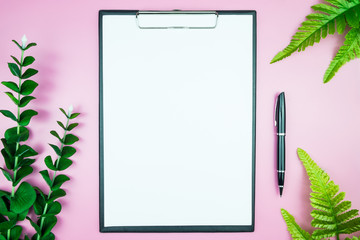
<point>24,40</point>
<point>71,108</point>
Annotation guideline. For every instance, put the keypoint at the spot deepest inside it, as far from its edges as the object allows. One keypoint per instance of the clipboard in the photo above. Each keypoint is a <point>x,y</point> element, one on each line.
<point>177,121</point>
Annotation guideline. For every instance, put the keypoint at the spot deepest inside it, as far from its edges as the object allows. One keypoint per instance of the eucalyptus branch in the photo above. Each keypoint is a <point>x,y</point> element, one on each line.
<point>14,206</point>
<point>18,125</point>
<point>45,205</point>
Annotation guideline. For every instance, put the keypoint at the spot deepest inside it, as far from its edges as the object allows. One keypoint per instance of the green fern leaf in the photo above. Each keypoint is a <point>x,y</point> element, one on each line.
<point>295,230</point>
<point>319,25</point>
<point>347,215</point>
<point>353,238</point>
<point>331,215</point>
<point>349,51</point>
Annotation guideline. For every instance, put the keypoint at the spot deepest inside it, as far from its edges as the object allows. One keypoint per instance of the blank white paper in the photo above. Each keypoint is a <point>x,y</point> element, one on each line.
<point>177,117</point>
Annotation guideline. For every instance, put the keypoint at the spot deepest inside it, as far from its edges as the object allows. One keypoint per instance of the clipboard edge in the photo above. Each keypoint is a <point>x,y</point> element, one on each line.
<point>199,228</point>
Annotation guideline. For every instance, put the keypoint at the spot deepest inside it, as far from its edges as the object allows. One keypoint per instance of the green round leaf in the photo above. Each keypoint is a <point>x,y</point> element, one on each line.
<point>13,86</point>
<point>25,100</point>
<point>74,115</point>
<point>39,204</point>
<point>17,44</point>
<point>72,126</point>
<point>61,125</point>
<point>7,174</point>
<point>14,99</point>
<point>54,208</point>
<point>14,69</point>
<point>39,191</point>
<point>55,134</point>
<point>22,216</point>
<point>50,236</point>
<point>8,114</point>
<point>63,111</point>
<point>70,139</point>
<point>25,151</point>
<point>46,177</point>
<point>9,160</point>
<point>4,193</point>
<point>4,226</point>
<point>34,225</point>
<point>15,232</point>
<point>55,195</point>
<point>29,46</point>
<point>12,136</point>
<point>26,116</point>
<point>23,199</point>
<point>22,172</point>
<point>63,163</point>
<point>28,87</point>
<point>28,60</point>
<point>16,60</point>
<point>9,147</point>
<point>49,163</point>
<point>26,162</point>
<point>29,73</point>
<point>68,151</point>
<point>59,180</point>
<point>56,149</point>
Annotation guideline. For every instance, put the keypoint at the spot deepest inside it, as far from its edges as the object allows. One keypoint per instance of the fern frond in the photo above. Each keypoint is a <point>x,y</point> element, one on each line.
<point>331,215</point>
<point>349,51</point>
<point>319,25</point>
<point>353,238</point>
<point>295,230</point>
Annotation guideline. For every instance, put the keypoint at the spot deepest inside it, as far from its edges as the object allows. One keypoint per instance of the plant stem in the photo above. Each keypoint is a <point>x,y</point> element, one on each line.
<point>53,179</point>
<point>18,125</point>
<point>17,131</point>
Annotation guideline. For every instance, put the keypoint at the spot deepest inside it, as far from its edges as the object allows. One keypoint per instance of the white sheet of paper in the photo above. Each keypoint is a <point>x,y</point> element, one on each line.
<point>177,123</point>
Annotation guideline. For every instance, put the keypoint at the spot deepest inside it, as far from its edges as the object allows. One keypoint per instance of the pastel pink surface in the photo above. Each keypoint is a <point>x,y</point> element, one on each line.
<point>322,119</point>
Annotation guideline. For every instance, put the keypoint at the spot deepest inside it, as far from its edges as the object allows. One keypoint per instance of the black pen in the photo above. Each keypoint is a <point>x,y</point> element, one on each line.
<point>280,119</point>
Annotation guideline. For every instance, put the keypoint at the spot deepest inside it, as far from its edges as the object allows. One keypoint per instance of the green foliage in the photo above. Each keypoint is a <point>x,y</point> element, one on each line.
<point>23,199</point>
<point>329,17</point>
<point>294,229</point>
<point>332,215</point>
<point>45,206</point>
<point>15,205</point>
<point>349,51</point>
<point>17,155</point>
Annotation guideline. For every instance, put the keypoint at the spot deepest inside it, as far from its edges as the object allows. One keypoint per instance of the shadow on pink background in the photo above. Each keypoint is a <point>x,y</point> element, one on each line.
<point>322,119</point>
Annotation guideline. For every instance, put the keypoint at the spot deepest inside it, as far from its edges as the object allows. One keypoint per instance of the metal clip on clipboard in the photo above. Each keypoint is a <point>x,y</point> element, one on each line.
<point>177,19</point>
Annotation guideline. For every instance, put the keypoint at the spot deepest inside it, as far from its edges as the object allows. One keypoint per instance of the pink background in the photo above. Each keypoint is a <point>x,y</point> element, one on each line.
<point>322,119</point>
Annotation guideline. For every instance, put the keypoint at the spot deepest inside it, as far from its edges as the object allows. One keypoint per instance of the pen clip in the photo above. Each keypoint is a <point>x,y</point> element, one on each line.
<point>276,115</point>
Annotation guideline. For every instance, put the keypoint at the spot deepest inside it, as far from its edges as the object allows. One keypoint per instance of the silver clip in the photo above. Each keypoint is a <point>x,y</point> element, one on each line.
<point>174,22</point>
<point>275,111</point>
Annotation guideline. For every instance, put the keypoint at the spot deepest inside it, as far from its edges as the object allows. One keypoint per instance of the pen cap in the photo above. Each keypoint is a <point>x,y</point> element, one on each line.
<point>281,113</point>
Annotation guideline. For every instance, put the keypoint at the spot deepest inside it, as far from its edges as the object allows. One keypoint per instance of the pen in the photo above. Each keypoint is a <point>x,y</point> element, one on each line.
<point>280,119</point>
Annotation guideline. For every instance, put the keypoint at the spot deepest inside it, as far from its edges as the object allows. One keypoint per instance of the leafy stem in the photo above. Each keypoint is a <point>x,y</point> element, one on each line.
<point>45,206</point>
<point>18,124</point>
<point>16,204</point>
<point>42,218</point>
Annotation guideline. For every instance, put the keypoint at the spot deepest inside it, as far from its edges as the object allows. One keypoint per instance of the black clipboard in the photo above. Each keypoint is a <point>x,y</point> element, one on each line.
<point>136,96</point>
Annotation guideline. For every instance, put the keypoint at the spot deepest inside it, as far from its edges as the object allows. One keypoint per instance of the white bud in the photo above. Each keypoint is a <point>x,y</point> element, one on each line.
<point>71,108</point>
<point>24,40</point>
